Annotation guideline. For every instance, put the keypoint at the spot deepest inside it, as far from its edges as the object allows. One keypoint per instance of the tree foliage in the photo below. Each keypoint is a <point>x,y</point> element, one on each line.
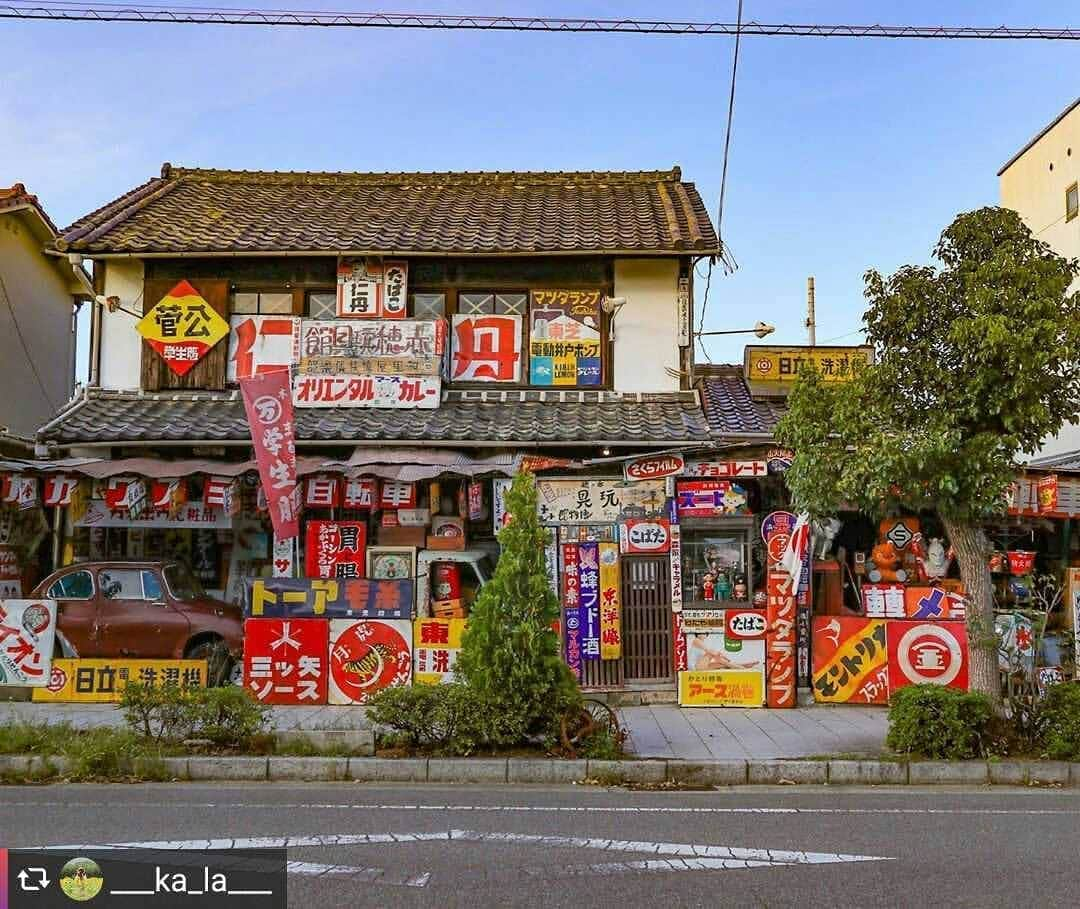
<point>510,652</point>
<point>976,361</point>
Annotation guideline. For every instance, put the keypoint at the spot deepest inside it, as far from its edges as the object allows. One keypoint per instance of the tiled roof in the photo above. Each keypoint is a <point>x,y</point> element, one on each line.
<point>1068,461</point>
<point>211,211</point>
<point>729,407</point>
<point>475,417</point>
<point>17,197</point>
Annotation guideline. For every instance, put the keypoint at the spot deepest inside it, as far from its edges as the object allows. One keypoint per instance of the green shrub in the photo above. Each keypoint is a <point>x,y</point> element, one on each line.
<point>438,717</point>
<point>601,745</point>
<point>510,655</point>
<point>226,716</point>
<point>1059,721</point>
<point>937,722</point>
<point>160,713</point>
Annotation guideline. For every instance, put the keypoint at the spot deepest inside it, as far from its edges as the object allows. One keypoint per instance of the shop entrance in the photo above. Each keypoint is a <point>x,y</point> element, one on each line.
<point>647,644</point>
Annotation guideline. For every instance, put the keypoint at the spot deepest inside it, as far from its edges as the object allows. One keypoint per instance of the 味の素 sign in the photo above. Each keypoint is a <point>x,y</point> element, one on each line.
<point>182,327</point>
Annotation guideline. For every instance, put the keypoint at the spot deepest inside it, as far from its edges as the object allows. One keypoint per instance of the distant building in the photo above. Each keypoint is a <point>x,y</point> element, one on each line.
<point>38,294</point>
<point>1041,183</point>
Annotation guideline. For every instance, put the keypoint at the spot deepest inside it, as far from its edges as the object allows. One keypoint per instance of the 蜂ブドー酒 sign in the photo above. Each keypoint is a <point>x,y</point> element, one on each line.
<point>781,365</point>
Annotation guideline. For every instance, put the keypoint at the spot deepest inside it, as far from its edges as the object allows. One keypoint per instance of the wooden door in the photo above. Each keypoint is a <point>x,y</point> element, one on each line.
<point>646,616</point>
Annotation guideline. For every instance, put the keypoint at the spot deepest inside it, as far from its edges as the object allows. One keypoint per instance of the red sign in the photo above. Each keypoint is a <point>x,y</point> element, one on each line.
<point>285,660</point>
<point>1047,491</point>
<point>360,493</point>
<point>368,656</point>
<point>654,467</point>
<point>850,660</point>
<point>261,344</point>
<point>486,349</point>
<point>322,492</point>
<point>780,642</point>
<point>572,607</point>
<point>397,494</point>
<point>645,535</point>
<point>476,500</point>
<point>745,624</point>
<point>167,494</point>
<point>932,604</point>
<point>58,490</point>
<point>934,652</point>
<point>268,403</point>
<point>335,549</point>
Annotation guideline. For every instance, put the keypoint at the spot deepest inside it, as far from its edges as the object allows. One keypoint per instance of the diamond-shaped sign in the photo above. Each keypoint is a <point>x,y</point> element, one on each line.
<point>899,535</point>
<point>182,328</point>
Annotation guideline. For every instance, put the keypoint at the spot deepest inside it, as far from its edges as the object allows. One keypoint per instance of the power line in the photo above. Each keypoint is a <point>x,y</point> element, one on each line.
<point>88,10</point>
<point>25,348</point>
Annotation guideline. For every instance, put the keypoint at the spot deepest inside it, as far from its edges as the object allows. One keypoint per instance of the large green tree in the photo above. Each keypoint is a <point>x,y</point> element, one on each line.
<point>976,361</point>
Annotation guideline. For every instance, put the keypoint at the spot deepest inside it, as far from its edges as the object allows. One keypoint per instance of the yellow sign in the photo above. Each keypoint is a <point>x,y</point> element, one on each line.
<point>103,680</point>
<point>436,644</point>
<point>782,364</point>
<point>182,328</point>
<point>610,603</point>
<point>722,688</point>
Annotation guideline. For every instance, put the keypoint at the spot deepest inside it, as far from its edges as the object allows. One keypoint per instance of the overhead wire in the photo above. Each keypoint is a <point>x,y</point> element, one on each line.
<point>23,344</point>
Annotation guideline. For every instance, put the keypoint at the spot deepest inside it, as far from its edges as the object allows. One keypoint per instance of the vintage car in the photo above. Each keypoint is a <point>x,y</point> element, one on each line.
<point>143,610</point>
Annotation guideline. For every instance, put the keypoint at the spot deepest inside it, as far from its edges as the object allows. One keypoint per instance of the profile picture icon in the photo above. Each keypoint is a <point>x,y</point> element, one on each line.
<point>81,879</point>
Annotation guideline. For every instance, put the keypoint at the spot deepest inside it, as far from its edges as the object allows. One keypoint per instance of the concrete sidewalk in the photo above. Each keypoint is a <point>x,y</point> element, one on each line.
<point>690,734</point>
<point>655,731</point>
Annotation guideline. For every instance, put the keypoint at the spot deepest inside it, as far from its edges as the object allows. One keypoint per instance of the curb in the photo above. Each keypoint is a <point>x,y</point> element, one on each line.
<point>660,773</point>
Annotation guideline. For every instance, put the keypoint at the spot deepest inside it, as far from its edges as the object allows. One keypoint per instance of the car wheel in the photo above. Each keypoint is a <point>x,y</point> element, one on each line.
<point>220,666</point>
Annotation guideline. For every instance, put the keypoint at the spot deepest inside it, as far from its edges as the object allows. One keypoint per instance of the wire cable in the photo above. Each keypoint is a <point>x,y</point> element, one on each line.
<point>89,10</point>
<point>25,348</point>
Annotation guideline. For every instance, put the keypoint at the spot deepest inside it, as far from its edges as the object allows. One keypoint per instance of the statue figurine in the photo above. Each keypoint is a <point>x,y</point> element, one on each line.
<point>937,560</point>
<point>708,587</point>
<point>886,560</point>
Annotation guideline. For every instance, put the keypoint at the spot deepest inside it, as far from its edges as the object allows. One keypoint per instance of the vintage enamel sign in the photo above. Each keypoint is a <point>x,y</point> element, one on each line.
<point>653,467</point>
<point>182,327</point>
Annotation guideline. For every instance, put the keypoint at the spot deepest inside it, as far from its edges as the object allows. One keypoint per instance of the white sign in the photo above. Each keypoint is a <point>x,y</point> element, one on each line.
<point>500,488</point>
<point>190,514</point>
<point>261,344</point>
<point>27,633</point>
<point>724,470</point>
<point>683,312</point>
<point>675,531</point>
<point>284,557</point>
<point>424,392</point>
<point>390,338</point>
<point>600,501</point>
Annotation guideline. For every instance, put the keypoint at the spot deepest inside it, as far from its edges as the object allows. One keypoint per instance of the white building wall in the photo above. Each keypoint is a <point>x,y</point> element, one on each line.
<point>646,328</point>
<point>38,307</point>
<point>121,347</point>
<point>1034,185</point>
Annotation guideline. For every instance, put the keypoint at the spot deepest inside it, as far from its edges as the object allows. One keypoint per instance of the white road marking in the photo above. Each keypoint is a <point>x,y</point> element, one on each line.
<point>569,809</point>
<point>684,856</point>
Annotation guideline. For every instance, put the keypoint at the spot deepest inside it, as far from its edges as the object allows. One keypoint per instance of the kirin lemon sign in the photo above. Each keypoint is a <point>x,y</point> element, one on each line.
<point>182,328</point>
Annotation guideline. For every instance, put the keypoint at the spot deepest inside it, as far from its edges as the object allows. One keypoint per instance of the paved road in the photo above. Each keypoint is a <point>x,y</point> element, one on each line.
<point>578,846</point>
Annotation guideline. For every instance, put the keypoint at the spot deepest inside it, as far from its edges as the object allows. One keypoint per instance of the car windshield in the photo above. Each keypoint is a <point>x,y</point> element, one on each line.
<point>182,583</point>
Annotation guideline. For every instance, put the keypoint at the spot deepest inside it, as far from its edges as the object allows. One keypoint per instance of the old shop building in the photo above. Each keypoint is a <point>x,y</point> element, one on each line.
<point>565,301</point>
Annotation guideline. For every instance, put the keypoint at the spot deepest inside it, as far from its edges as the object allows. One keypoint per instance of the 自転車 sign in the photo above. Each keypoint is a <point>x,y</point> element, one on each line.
<point>182,327</point>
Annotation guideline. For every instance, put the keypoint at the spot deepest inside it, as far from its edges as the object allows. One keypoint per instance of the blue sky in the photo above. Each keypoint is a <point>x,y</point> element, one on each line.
<point>846,154</point>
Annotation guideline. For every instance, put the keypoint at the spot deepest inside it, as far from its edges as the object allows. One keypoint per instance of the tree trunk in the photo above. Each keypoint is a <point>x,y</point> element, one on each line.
<point>973,554</point>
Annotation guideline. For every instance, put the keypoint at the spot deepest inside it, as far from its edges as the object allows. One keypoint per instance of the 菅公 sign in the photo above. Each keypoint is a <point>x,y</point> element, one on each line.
<point>182,327</point>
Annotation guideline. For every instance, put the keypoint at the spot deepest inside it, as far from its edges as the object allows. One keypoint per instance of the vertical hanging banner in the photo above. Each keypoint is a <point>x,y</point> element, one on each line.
<point>610,603</point>
<point>675,555</point>
<point>680,655</point>
<point>268,403</point>
<point>589,583</point>
<point>335,549</point>
<point>284,558</point>
<point>572,607</point>
<point>780,641</point>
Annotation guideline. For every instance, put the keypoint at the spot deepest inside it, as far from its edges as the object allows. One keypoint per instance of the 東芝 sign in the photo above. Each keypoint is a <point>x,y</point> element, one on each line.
<point>182,327</point>
<point>781,365</point>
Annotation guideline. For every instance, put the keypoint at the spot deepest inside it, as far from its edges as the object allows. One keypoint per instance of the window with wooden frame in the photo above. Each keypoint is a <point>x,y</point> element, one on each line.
<point>321,304</point>
<point>487,336</point>
<point>1072,202</point>
<point>262,303</point>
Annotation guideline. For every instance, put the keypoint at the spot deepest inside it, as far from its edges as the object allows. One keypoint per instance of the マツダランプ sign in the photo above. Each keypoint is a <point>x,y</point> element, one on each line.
<point>564,338</point>
<point>182,327</point>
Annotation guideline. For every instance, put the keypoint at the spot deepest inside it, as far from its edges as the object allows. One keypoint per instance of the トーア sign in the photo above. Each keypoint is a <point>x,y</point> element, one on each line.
<point>182,327</point>
<point>331,598</point>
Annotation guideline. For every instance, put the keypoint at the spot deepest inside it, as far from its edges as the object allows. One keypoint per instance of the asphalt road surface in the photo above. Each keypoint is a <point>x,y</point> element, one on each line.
<point>477,846</point>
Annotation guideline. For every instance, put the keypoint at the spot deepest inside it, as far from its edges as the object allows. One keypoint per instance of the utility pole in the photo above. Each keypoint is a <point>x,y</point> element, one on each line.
<point>811,321</point>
